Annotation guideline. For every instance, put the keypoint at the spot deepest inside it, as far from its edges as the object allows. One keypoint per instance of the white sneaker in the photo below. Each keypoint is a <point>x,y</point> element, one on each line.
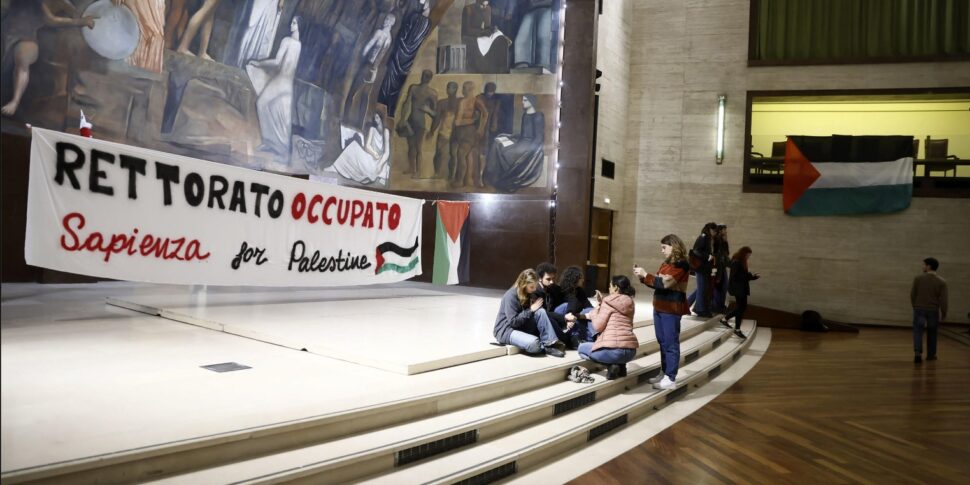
<point>665,383</point>
<point>655,379</point>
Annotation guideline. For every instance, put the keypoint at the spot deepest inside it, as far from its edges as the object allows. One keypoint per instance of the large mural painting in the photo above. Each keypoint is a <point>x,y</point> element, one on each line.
<point>424,95</point>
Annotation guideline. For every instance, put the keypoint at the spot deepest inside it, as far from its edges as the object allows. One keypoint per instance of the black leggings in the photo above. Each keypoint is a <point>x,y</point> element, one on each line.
<point>738,312</point>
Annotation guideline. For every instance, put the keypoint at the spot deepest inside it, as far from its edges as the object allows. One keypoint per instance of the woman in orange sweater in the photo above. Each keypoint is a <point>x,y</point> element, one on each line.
<point>612,321</point>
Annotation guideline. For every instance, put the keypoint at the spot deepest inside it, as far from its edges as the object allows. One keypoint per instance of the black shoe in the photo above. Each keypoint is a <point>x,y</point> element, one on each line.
<point>740,335</point>
<point>931,357</point>
<point>574,342</point>
<point>622,370</point>
<point>615,371</point>
<point>725,323</point>
<point>918,359</point>
<point>553,351</point>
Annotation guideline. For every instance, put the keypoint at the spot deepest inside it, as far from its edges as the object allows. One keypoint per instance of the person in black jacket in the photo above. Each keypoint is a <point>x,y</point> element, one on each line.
<point>575,306</point>
<point>703,252</point>
<point>739,287</point>
<point>722,259</point>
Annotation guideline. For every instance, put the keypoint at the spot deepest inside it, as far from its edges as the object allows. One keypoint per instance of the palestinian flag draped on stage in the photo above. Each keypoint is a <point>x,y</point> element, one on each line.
<point>451,243</point>
<point>838,175</point>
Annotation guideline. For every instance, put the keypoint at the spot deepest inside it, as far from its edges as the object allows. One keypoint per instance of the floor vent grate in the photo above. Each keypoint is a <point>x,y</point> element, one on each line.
<point>714,372</point>
<point>676,393</point>
<point>225,367</point>
<point>420,452</point>
<point>575,403</point>
<point>692,357</point>
<point>606,427</point>
<point>737,355</point>
<point>646,376</point>
<point>717,343</point>
<point>490,476</point>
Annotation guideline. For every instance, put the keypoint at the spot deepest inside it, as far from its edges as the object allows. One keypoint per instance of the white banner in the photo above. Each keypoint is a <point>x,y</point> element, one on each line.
<point>116,211</point>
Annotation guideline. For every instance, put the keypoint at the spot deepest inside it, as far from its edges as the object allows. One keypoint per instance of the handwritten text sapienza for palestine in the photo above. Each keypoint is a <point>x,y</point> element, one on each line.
<point>322,264</point>
<point>218,192</point>
<point>146,245</point>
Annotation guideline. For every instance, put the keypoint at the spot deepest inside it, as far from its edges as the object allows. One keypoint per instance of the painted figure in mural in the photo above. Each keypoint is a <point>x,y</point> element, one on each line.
<point>260,32</point>
<point>366,161</point>
<point>419,103</point>
<point>515,162</point>
<point>203,19</point>
<point>469,126</point>
<point>355,108</point>
<point>273,81</point>
<point>533,42</point>
<point>151,40</point>
<point>20,48</point>
<point>444,123</point>
<point>493,108</point>
<point>414,30</point>
<point>486,47</point>
<point>177,17</point>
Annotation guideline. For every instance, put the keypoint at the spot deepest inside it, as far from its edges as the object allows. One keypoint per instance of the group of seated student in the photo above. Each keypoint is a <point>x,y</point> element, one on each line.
<point>539,316</point>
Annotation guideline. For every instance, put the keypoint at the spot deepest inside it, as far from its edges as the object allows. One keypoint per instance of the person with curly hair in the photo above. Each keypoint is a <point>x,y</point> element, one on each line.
<point>523,322</point>
<point>669,305</point>
<point>575,306</point>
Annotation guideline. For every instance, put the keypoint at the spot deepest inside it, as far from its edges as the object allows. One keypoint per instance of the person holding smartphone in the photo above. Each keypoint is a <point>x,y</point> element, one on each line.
<point>669,305</point>
<point>612,321</point>
<point>523,322</point>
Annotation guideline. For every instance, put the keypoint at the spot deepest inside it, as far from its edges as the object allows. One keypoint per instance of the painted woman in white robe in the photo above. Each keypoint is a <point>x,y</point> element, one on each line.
<point>273,81</point>
<point>257,41</point>
<point>367,162</point>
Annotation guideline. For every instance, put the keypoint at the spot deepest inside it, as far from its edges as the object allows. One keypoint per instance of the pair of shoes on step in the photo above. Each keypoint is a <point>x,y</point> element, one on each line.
<point>725,322</point>
<point>740,334</point>
<point>556,349</point>
<point>615,371</point>
<point>663,383</point>
<point>580,374</point>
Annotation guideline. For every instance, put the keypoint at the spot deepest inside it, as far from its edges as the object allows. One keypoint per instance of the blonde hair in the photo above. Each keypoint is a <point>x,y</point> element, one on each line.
<point>526,278</point>
<point>678,251</point>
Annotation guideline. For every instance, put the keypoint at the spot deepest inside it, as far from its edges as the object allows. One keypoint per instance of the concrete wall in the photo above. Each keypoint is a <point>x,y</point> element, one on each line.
<point>853,269</point>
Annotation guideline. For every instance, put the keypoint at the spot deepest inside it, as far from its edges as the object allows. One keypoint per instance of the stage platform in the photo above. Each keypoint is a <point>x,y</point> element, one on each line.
<point>97,393</point>
<point>407,330</point>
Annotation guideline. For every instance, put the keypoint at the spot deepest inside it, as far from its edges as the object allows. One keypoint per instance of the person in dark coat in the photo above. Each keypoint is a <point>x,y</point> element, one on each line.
<point>515,162</point>
<point>703,252</point>
<point>739,287</point>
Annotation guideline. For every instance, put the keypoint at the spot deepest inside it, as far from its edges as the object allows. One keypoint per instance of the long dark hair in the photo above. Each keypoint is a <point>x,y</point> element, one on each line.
<point>742,255</point>
<point>622,283</point>
<point>569,280</point>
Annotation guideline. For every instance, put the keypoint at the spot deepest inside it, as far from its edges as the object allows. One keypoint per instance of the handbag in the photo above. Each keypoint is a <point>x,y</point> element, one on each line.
<point>694,261</point>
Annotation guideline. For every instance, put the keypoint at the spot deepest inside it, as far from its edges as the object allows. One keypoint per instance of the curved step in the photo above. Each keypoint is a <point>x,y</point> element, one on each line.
<point>379,451</point>
<point>527,448</point>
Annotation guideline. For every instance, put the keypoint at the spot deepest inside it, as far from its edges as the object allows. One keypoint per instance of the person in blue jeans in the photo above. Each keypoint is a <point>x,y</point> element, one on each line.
<point>669,305</point>
<point>612,320</point>
<point>929,298</point>
<point>523,322</point>
<point>575,307</point>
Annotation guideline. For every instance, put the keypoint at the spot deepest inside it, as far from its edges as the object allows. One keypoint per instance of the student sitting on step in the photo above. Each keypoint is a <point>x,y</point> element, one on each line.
<point>575,307</point>
<point>523,322</point>
<point>612,320</point>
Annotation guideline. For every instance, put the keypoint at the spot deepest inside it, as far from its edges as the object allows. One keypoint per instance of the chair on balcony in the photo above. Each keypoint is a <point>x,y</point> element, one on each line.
<point>937,156</point>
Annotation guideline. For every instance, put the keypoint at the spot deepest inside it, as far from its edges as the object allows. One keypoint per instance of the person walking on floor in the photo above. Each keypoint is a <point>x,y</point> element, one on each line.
<point>612,320</point>
<point>739,287</point>
<point>669,305</point>
<point>929,298</point>
<point>522,321</point>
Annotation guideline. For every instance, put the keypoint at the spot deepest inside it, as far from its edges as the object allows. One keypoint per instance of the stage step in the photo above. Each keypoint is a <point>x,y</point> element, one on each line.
<point>527,448</point>
<point>169,459</point>
<point>381,451</point>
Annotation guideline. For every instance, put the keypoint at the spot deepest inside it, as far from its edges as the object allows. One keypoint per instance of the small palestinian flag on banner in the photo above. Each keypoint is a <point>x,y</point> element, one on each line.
<point>451,243</point>
<point>391,257</point>
<point>839,175</point>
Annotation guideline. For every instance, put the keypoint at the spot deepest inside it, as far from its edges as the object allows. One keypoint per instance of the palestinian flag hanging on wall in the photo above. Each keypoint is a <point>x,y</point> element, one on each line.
<point>839,175</point>
<point>451,243</point>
